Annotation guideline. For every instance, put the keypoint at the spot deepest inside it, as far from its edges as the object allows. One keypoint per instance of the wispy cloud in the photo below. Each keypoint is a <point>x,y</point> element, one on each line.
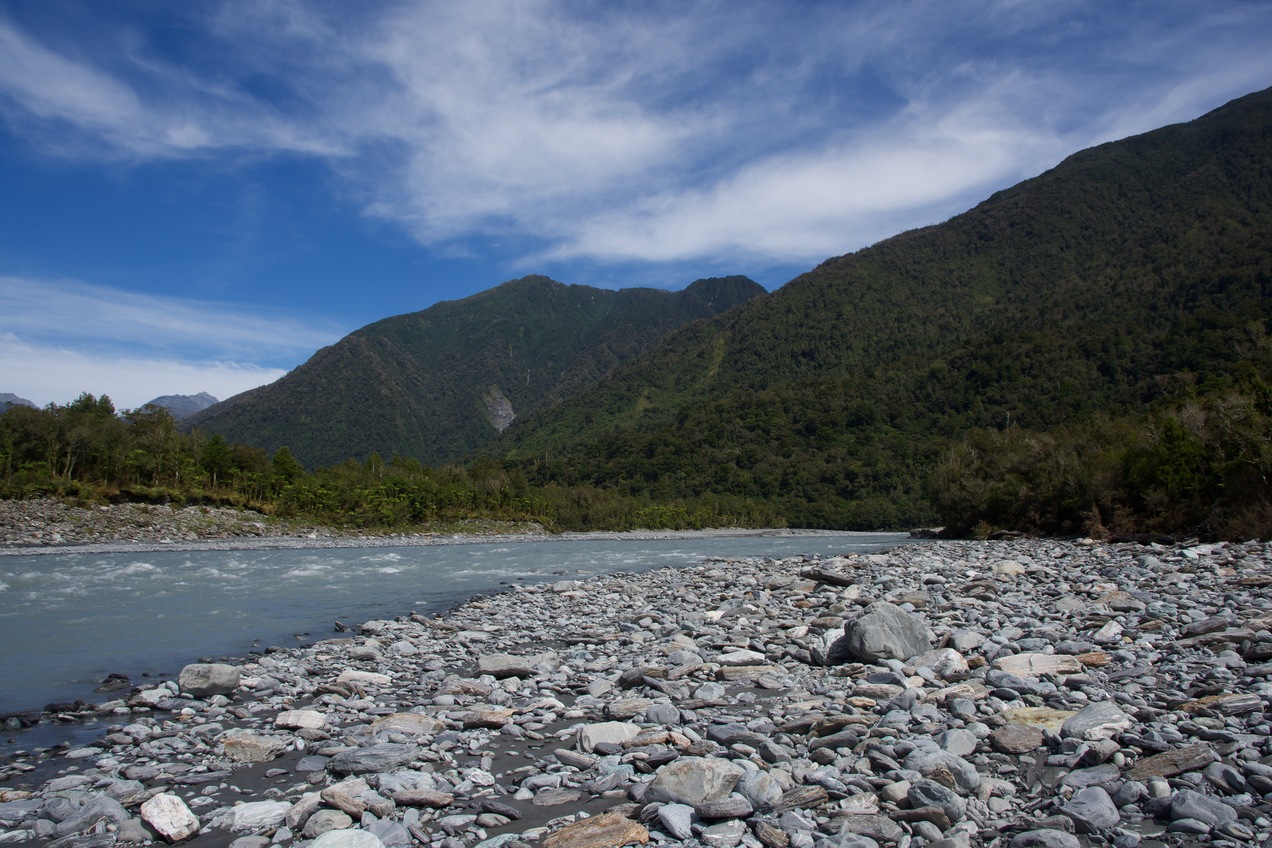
<point>62,337</point>
<point>651,132</point>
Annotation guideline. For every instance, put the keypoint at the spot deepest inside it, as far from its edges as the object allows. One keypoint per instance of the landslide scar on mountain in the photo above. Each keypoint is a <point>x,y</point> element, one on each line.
<point>498,409</point>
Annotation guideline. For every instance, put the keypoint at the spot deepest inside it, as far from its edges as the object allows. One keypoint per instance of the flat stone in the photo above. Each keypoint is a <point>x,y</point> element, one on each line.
<point>247,747</point>
<point>1099,720</point>
<point>423,798</point>
<point>723,835</point>
<point>1176,762</point>
<point>375,758</point>
<point>1043,718</point>
<point>1016,739</point>
<point>408,724</point>
<point>741,658</point>
<point>1037,665</point>
<point>486,716</point>
<point>608,830</point>
<point>359,679</point>
<point>254,816</point>
<point>734,806</point>
<point>506,665</point>
<point>300,720</point>
<point>929,793</point>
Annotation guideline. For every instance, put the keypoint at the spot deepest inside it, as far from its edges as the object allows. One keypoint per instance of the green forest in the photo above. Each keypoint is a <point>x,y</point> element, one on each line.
<point>88,453</point>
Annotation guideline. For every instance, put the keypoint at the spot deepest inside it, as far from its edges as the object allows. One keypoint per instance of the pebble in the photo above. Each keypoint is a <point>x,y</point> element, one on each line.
<point>953,694</point>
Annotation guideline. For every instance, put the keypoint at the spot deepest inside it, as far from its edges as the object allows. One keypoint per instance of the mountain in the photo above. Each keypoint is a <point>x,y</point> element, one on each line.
<point>183,406</point>
<point>8,399</point>
<point>1132,273</point>
<point>438,384</point>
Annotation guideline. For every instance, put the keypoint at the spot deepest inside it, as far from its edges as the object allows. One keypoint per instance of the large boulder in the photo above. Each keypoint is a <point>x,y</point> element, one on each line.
<point>885,632</point>
<point>692,780</point>
<point>203,680</point>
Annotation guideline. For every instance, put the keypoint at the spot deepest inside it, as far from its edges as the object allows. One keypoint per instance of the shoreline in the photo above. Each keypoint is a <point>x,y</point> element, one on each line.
<point>48,526</point>
<point>409,540</point>
<point>525,710</point>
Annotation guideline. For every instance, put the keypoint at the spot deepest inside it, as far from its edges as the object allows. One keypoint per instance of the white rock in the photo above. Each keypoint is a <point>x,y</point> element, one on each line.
<point>170,817</point>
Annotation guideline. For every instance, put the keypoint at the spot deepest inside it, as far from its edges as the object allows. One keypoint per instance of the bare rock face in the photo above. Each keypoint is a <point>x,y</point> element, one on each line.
<point>204,680</point>
<point>498,409</point>
<point>885,632</point>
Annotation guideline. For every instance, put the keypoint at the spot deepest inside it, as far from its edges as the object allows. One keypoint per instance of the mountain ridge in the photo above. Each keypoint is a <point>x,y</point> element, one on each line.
<point>437,384</point>
<point>1129,273</point>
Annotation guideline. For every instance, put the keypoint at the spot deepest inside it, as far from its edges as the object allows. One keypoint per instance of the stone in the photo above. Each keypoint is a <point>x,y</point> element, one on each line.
<point>324,821</point>
<point>1037,665</point>
<point>871,826</point>
<point>1098,720</point>
<point>723,835</point>
<point>733,806</point>
<point>170,817</point>
<point>677,820</point>
<point>408,724</point>
<point>946,663</point>
<point>945,768</point>
<point>760,788</point>
<point>606,732</point>
<point>1188,804</point>
<point>692,780</point>
<point>423,798</point>
<point>359,679</point>
<point>374,758</point>
<point>253,816</point>
<point>1044,838</point>
<point>204,680</point>
<point>885,631</point>
<point>99,808</point>
<point>300,720</point>
<point>1092,810</point>
<point>929,793</point>
<point>1176,762</point>
<point>1043,718</point>
<point>1016,739</point>
<point>608,830</point>
<point>506,665</point>
<point>248,747</point>
<point>742,658</point>
<point>347,839</point>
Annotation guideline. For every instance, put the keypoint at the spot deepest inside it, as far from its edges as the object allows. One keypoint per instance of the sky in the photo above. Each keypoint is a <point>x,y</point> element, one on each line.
<point>197,196</point>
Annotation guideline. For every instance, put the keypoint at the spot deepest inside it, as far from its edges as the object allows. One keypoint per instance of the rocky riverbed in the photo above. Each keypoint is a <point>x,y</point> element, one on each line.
<point>1020,693</point>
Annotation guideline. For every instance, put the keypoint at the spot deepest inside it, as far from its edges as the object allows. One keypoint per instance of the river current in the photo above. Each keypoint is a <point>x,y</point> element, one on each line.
<point>67,620</point>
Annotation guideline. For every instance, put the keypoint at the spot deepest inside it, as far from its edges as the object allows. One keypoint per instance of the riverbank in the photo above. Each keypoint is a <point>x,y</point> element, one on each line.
<point>51,526</point>
<point>1018,693</point>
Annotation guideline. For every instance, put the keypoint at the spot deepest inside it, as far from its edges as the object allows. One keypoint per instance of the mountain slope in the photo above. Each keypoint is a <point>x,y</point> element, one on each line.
<point>1130,272</point>
<point>8,399</point>
<point>183,406</point>
<point>440,383</point>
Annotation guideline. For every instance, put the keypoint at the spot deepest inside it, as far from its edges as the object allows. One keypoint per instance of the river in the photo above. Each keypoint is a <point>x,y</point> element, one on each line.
<point>70,619</point>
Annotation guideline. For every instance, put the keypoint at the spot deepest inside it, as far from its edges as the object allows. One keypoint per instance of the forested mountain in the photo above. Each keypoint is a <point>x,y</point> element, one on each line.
<point>436,385</point>
<point>1133,276</point>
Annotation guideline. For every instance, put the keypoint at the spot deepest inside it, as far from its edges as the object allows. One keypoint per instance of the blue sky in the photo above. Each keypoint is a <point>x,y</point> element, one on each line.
<point>197,196</point>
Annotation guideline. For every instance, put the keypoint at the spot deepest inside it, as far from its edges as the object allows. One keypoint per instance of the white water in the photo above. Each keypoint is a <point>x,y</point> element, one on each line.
<point>68,620</point>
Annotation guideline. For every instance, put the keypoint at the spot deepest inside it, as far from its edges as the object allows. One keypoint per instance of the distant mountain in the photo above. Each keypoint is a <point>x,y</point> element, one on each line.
<point>183,406</point>
<point>1132,272</point>
<point>439,384</point>
<point>8,399</point>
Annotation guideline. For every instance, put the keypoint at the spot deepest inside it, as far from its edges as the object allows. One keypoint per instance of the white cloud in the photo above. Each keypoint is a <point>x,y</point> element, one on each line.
<point>648,132</point>
<point>99,317</point>
<point>49,374</point>
<point>64,337</point>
